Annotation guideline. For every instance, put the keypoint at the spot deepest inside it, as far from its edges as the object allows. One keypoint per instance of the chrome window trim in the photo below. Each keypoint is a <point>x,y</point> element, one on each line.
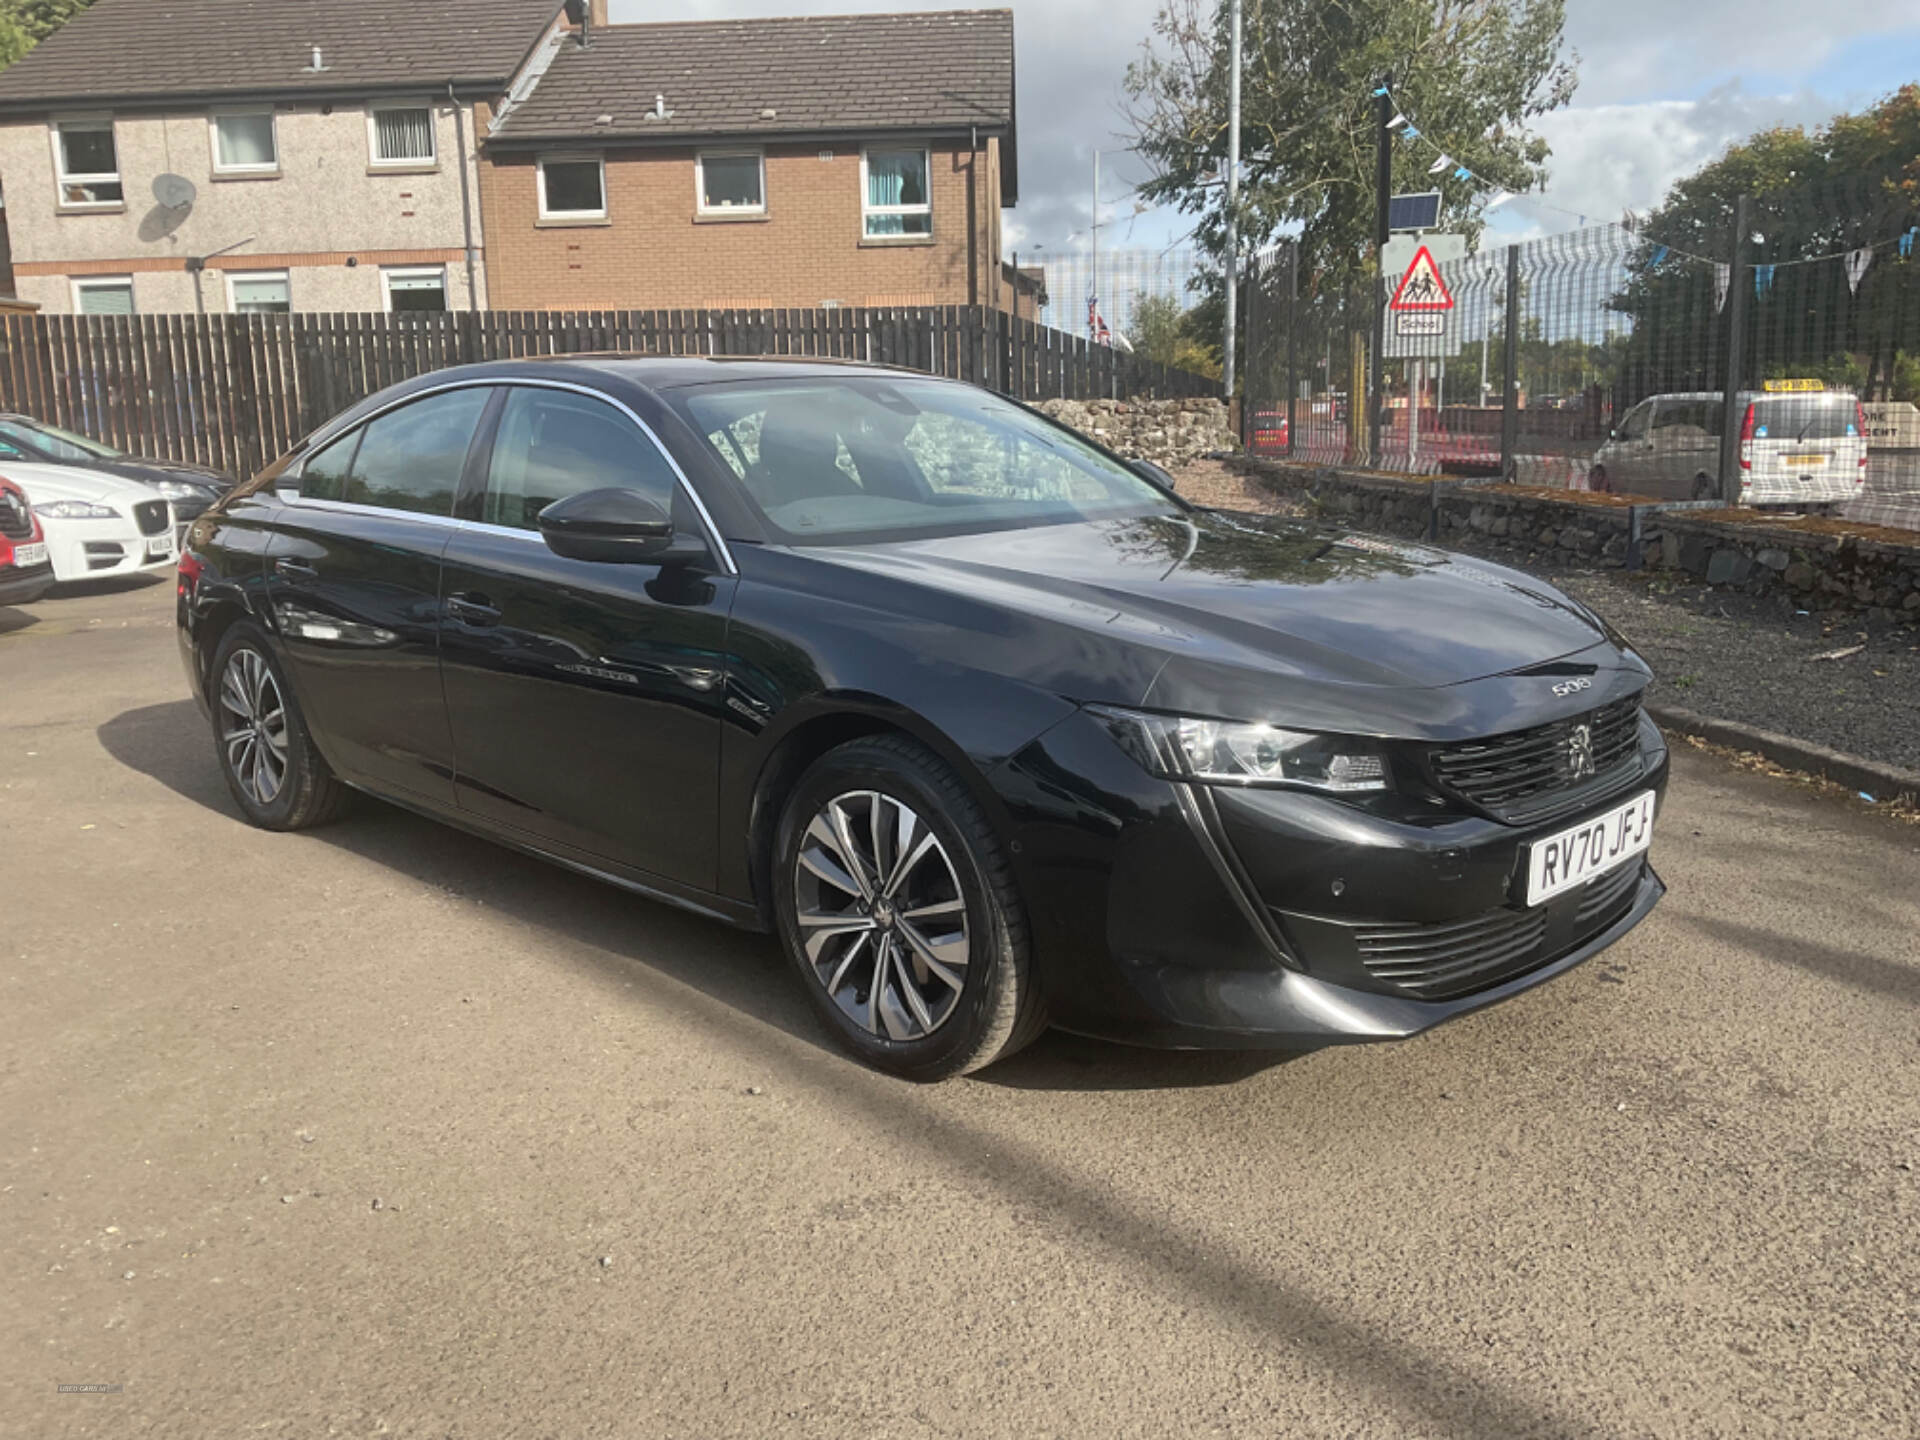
<point>292,496</point>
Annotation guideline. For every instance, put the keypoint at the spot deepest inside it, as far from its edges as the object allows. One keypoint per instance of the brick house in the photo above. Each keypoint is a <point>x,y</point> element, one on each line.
<point>856,160</point>
<point>327,148</point>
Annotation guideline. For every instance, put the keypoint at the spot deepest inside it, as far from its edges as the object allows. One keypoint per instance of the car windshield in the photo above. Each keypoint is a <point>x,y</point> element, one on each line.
<point>856,458</point>
<point>1804,417</point>
<point>51,439</point>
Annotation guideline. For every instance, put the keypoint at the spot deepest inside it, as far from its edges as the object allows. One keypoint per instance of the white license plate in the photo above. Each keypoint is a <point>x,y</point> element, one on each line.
<point>160,548</point>
<point>25,555</point>
<point>1590,848</point>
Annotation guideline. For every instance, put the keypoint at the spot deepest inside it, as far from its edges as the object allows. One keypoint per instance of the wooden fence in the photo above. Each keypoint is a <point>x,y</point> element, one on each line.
<point>233,391</point>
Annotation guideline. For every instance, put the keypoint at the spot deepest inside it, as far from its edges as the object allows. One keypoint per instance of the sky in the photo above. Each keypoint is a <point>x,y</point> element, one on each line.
<point>1665,85</point>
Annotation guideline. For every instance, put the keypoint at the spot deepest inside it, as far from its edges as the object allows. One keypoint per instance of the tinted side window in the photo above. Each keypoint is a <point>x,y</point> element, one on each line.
<point>552,444</point>
<point>1635,425</point>
<point>411,458</point>
<point>324,476</point>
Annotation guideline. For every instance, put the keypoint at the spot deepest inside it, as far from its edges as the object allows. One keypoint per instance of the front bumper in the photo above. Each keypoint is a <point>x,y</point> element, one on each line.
<point>20,586</point>
<point>96,549</point>
<point>1203,916</point>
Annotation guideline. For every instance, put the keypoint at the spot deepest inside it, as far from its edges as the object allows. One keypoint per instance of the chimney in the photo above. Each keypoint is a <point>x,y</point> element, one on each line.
<point>597,14</point>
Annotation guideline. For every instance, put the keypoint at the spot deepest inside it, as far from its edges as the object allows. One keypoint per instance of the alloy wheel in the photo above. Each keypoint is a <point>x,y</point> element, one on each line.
<point>881,915</point>
<point>253,725</point>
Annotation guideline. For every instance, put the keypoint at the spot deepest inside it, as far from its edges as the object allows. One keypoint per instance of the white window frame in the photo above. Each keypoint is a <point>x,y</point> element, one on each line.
<point>61,177</point>
<point>412,272</point>
<point>213,140</point>
<point>374,159</point>
<point>285,277</point>
<point>700,158</point>
<point>867,211</point>
<point>104,282</point>
<point>565,158</point>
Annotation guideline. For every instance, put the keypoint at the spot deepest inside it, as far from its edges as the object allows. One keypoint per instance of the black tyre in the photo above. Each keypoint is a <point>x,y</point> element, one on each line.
<point>1597,478</point>
<point>897,906</point>
<point>265,752</point>
<point>1704,488</point>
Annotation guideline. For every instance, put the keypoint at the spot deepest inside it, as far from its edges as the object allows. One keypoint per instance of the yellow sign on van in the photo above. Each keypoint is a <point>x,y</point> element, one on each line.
<point>1778,385</point>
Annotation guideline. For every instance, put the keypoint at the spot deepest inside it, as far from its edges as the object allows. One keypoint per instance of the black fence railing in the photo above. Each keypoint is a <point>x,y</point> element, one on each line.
<point>233,391</point>
<point>1602,359</point>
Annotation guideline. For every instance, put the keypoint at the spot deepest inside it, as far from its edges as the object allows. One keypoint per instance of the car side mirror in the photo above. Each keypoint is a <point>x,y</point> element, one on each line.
<point>614,526</point>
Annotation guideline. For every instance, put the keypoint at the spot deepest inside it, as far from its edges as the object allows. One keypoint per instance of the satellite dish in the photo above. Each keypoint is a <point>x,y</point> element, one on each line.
<point>176,192</point>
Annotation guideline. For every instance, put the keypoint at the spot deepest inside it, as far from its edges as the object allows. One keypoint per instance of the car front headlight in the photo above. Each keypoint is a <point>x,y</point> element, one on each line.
<point>1177,747</point>
<point>74,510</point>
<point>175,489</point>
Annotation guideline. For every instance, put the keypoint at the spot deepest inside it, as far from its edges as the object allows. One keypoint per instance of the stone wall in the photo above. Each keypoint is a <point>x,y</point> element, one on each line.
<point>1806,564</point>
<point>1167,432</point>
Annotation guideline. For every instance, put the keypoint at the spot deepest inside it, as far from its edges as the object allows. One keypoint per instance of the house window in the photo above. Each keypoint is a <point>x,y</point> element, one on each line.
<point>402,136</point>
<point>104,295</point>
<point>259,292</point>
<point>731,184</point>
<point>244,144</point>
<point>895,193</point>
<point>412,291</point>
<point>572,188</point>
<point>86,167</point>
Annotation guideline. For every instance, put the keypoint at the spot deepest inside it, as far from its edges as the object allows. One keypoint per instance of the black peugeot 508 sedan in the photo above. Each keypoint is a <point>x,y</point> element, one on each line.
<point>989,727</point>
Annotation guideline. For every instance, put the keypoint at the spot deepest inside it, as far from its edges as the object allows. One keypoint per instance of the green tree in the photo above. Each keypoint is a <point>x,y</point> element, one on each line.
<point>1163,331</point>
<point>1473,72</point>
<point>1852,183</point>
<point>25,23</point>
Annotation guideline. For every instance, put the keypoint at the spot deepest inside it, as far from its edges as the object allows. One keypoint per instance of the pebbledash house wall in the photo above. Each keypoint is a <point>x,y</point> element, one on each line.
<point>327,217</point>
<point>654,251</point>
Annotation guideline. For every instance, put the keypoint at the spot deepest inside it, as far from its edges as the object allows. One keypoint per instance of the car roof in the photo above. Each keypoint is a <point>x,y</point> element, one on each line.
<point>1757,395</point>
<point>673,372</point>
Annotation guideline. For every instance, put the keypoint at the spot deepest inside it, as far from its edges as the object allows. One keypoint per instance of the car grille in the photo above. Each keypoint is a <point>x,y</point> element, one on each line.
<point>150,516</point>
<point>1440,962</point>
<point>1527,775</point>
<point>16,522</point>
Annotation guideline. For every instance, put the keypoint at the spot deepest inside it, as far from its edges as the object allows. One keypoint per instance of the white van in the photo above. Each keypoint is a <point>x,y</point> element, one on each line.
<point>1800,444</point>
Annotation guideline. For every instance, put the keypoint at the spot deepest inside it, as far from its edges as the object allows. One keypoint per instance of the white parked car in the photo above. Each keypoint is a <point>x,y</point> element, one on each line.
<point>1799,445</point>
<point>97,524</point>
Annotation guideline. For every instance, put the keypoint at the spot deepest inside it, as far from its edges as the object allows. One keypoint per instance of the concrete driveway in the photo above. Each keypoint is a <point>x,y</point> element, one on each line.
<point>382,1130</point>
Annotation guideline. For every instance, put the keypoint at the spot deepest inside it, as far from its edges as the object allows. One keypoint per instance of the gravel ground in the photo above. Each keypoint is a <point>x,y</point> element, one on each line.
<point>1722,654</point>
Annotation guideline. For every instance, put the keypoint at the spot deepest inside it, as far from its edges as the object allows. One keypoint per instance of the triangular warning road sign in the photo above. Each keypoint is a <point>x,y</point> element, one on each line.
<point>1421,288</point>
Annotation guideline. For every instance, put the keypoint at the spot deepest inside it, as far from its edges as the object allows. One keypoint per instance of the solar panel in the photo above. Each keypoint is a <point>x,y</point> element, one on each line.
<point>1414,212</point>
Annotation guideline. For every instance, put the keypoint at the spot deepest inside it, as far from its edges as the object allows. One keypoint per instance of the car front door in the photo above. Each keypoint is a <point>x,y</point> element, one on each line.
<point>353,575</point>
<point>1630,461</point>
<point>585,697</point>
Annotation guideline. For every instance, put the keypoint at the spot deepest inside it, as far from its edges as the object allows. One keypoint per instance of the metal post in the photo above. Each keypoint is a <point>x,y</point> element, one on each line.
<point>1510,396</point>
<point>1382,199</point>
<point>1233,197</point>
<point>1093,259</point>
<point>1739,286</point>
<point>1415,384</point>
<point>1293,329</point>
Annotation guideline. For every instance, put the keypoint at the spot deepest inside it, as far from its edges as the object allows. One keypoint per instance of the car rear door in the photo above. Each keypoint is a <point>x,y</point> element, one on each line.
<point>353,574</point>
<point>585,698</point>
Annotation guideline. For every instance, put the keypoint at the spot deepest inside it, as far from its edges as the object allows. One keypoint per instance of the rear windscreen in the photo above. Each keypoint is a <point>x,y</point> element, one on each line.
<point>1805,417</point>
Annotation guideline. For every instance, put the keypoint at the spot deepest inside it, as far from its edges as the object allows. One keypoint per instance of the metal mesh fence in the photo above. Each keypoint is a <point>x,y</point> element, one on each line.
<point>1120,279</point>
<point>1602,358</point>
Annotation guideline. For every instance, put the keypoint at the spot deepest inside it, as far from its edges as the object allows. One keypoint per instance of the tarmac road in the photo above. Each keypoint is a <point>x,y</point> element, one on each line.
<point>382,1130</point>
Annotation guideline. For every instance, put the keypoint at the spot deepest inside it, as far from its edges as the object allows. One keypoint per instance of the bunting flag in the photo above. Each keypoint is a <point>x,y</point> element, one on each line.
<point>1906,242</point>
<point>1497,201</point>
<point>1437,166</point>
<point>1412,134</point>
<point>1396,122</point>
<point>1857,263</point>
<point>1762,280</point>
<point>1722,279</point>
<point>1463,173</point>
<point>1659,254</point>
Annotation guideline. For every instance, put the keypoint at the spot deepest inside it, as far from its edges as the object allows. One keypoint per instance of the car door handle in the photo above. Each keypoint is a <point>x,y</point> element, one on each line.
<point>295,570</point>
<point>473,608</point>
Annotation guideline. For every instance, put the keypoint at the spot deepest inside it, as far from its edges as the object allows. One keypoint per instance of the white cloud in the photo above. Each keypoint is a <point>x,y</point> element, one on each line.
<point>1610,158</point>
